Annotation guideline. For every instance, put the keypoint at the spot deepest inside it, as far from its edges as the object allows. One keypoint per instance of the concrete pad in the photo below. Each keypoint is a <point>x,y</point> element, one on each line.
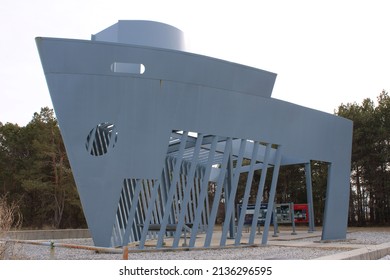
<point>368,252</point>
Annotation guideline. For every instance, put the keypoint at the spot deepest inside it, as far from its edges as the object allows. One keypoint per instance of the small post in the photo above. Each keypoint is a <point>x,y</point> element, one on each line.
<point>275,221</point>
<point>185,237</point>
<point>292,218</point>
<point>125,255</point>
<point>52,251</point>
<point>258,228</point>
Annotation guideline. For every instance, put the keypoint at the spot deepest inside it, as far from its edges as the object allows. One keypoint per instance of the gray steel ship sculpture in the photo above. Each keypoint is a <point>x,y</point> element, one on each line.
<point>157,137</point>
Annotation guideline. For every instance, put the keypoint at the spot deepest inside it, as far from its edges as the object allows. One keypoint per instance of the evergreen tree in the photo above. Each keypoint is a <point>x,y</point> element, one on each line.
<point>370,188</point>
<point>36,170</point>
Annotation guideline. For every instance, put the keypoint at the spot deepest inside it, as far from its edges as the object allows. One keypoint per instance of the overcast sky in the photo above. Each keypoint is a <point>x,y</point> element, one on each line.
<point>324,52</point>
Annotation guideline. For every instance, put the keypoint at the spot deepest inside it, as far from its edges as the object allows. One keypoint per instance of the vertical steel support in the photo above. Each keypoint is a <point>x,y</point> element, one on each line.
<point>228,190</point>
<point>116,237</point>
<point>197,188</point>
<point>180,190</point>
<point>135,231</point>
<point>218,192</point>
<point>187,191</point>
<point>259,196</point>
<point>133,209</point>
<point>309,192</point>
<point>248,187</point>
<point>172,189</point>
<point>203,191</point>
<point>125,197</point>
<point>329,203</point>
<point>171,174</point>
<point>230,197</point>
<point>144,199</point>
<point>159,204</point>
<point>206,213</point>
<point>271,198</point>
<point>148,216</point>
<point>190,198</point>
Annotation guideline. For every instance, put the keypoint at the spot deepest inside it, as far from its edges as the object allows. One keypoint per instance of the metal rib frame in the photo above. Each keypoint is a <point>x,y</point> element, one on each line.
<point>180,200</point>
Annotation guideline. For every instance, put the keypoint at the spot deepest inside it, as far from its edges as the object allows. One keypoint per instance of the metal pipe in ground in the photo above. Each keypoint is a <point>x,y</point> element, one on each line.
<point>72,246</point>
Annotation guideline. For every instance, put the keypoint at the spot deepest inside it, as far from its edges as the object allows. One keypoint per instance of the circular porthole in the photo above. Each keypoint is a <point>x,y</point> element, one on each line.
<point>101,139</point>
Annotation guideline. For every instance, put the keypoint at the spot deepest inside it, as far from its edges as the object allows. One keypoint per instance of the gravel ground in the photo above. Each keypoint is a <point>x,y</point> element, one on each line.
<point>359,237</point>
<point>40,252</point>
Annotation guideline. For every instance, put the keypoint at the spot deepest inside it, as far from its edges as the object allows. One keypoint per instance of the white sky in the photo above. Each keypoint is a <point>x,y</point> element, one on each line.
<point>324,52</point>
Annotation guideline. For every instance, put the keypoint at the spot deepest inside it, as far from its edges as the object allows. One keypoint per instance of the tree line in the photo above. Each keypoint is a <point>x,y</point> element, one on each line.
<point>36,174</point>
<point>370,171</point>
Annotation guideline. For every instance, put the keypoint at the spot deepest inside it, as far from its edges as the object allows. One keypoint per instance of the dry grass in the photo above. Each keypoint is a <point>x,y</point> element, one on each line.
<point>10,218</point>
